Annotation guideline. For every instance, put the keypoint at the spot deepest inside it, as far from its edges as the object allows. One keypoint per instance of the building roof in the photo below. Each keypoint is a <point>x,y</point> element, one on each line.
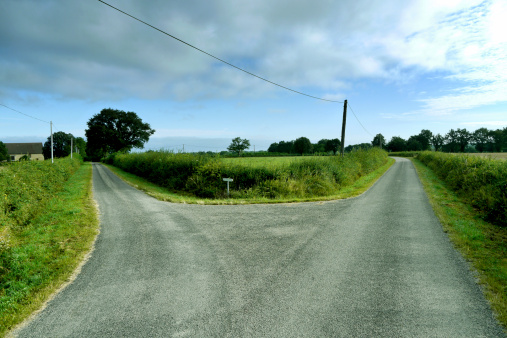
<point>23,148</point>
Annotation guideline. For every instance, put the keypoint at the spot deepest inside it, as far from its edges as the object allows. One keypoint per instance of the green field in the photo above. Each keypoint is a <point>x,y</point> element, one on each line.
<point>494,156</point>
<point>267,162</point>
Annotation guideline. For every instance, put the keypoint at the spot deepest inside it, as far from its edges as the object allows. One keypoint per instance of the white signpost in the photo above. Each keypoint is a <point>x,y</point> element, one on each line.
<point>227,180</point>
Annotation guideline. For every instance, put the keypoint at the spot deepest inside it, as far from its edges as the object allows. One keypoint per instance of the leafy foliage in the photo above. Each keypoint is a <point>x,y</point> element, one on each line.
<point>332,145</point>
<point>238,145</point>
<point>4,156</point>
<point>459,140</point>
<point>27,185</point>
<point>202,175</point>
<point>397,144</point>
<point>61,145</point>
<point>482,182</point>
<point>115,130</point>
<point>379,141</point>
<point>303,145</point>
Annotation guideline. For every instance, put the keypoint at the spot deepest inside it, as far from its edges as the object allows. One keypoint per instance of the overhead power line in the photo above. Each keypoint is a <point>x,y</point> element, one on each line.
<point>217,58</point>
<point>352,110</point>
<point>17,111</point>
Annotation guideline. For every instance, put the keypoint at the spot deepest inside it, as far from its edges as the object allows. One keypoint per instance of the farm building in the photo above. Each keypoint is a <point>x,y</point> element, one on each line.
<point>18,150</point>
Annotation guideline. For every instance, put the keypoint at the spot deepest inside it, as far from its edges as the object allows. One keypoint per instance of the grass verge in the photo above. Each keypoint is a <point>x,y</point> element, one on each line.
<point>160,193</point>
<point>45,254</point>
<point>481,243</point>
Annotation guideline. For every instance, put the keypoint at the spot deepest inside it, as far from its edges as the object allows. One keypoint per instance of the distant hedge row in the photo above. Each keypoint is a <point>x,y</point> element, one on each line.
<point>482,182</point>
<point>202,175</point>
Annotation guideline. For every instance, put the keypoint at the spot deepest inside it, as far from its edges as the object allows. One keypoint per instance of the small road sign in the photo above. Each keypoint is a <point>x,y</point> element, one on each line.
<point>227,180</point>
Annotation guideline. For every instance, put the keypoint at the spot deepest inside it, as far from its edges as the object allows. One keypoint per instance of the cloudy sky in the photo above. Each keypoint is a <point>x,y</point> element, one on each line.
<point>402,65</point>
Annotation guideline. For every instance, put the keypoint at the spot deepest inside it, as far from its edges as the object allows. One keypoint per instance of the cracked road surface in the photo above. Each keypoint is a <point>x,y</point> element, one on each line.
<point>375,265</point>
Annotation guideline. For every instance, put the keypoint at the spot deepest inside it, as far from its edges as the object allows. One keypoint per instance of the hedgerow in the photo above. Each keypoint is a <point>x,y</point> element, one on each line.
<point>202,175</point>
<point>480,181</point>
<point>26,186</point>
<point>45,226</point>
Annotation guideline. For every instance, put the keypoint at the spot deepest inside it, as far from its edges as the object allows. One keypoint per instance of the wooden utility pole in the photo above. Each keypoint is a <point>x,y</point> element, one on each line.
<point>342,150</point>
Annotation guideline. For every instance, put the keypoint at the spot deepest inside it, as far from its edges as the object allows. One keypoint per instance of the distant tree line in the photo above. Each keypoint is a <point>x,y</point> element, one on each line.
<point>303,145</point>
<point>455,141</point>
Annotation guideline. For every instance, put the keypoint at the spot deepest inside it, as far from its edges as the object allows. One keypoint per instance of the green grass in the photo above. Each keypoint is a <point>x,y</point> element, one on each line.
<point>161,193</point>
<point>481,243</point>
<point>481,182</point>
<point>38,257</point>
<point>266,162</point>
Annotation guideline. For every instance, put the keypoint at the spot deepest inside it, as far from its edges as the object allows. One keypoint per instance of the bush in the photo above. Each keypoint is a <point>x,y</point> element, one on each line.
<point>482,182</point>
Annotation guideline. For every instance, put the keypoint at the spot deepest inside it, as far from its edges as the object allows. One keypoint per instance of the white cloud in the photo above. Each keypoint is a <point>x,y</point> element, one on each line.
<point>87,50</point>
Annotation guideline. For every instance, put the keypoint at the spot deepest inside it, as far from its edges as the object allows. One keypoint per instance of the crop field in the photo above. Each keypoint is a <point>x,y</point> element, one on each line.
<point>494,156</point>
<point>267,162</point>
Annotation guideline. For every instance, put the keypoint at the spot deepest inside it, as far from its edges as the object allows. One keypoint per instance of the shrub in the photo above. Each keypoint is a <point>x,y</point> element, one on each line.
<point>482,182</point>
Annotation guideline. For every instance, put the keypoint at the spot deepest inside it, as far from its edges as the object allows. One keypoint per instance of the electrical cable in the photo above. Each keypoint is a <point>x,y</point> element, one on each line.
<point>352,110</point>
<point>211,55</point>
<point>17,111</point>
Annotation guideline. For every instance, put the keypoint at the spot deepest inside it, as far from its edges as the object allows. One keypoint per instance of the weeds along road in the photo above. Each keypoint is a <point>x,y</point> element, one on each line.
<point>375,265</point>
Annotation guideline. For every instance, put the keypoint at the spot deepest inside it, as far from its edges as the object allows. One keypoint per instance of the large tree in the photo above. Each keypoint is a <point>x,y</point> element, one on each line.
<point>481,138</point>
<point>61,145</point>
<point>303,145</point>
<point>451,141</point>
<point>379,141</point>
<point>437,141</point>
<point>463,137</point>
<point>498,139</point>
<point>115,130</point>
<point>333,145</point>
<point>320,146</point>
<point>238,145</point>
<point>424,138</point>
<point>413,143</point>
<point>397,144</point>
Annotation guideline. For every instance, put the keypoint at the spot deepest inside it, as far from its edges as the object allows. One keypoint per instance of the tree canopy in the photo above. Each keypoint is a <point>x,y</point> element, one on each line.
<point>114,130</point>
<point>333,145</point>
<point>61,145</point>
<point>238,145</point>
<point>302,145</point>
<point>3,152</point>
<point>397,144</point>
<point>379,141</point>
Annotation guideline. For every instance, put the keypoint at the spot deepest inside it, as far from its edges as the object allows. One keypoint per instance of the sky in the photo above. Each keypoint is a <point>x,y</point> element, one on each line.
<point>402,66</point>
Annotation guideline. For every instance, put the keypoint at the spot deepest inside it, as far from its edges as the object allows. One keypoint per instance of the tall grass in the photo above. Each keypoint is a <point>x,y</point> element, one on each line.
<point>27,186</point>
<point>47,222</point>
<point>481,182</point>
<point>202,176</point>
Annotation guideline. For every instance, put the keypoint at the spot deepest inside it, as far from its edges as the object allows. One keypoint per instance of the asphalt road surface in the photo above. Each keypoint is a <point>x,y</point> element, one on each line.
<point>378,265</point>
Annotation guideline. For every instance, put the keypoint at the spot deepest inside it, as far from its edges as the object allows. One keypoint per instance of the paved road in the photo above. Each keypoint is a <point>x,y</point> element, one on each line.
<point>375,265</point>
